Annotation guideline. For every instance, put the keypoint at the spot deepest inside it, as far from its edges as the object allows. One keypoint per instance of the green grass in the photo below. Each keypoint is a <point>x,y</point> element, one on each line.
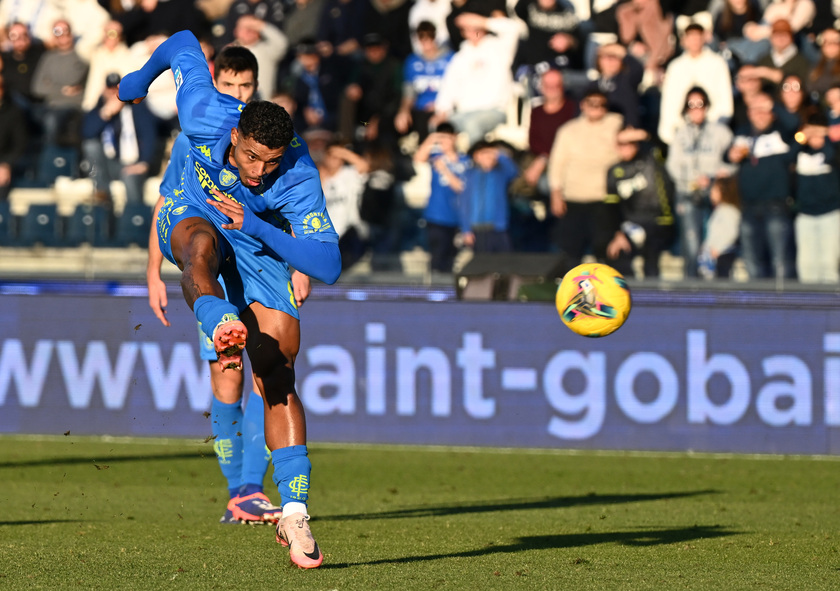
<point>83,513</point>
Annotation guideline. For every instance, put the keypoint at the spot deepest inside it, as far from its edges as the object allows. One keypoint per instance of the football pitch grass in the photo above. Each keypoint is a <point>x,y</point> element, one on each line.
<point>91,513</point>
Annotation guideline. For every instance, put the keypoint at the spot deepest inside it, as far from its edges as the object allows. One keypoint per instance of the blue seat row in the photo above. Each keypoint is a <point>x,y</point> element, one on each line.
<point>88,224</point>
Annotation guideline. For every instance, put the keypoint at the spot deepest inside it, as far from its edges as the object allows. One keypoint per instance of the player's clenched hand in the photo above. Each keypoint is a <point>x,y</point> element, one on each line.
<point>230,208</point>
<point>301,286</point>
<point>158,299</point>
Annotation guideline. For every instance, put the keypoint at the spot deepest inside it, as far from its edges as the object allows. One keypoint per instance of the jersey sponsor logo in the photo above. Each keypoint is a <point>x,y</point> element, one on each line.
<point>204,150</point>
<point>315,222</point>
<point>207,183</point>
<point>227,178</point>
<point>179,79</point>
<point>179,210</point>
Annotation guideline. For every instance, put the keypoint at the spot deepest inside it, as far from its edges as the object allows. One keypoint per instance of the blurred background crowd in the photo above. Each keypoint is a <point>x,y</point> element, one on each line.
<point>613,129</point>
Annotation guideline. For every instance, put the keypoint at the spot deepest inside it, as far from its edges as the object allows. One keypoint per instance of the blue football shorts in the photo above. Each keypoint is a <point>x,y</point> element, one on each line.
<point>249,271</point>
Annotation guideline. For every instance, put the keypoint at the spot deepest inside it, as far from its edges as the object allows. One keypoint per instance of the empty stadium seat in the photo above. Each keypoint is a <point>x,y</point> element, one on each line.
<point>88,224</point>
<point>132,226</point>
<point>40,225</point>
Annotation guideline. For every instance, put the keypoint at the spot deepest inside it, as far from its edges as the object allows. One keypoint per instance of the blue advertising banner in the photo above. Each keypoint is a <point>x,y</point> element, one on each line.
<point>748,376</point>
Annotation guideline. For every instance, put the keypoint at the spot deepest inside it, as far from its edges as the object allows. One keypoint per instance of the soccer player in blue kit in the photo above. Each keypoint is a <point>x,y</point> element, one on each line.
<point>239,436</point>
<point>248,180</point>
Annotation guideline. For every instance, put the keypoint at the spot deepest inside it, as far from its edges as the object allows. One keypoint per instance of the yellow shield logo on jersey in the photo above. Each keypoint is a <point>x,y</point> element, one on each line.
<point>227,178</point>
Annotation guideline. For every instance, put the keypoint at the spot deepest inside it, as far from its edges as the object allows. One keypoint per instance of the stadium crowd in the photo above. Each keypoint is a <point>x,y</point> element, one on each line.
<point>612,128</point>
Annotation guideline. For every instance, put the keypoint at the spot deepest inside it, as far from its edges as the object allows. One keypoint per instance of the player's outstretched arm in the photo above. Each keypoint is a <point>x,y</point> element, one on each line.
<point>157,288</point>
<point>136,84</point>
<point>321,260</point>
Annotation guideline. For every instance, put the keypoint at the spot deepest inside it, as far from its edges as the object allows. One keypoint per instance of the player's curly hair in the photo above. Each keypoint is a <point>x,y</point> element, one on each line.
<point>267,124</point>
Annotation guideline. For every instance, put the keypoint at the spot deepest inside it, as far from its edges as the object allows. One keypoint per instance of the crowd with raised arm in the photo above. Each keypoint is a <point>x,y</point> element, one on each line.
<point>538,90</point>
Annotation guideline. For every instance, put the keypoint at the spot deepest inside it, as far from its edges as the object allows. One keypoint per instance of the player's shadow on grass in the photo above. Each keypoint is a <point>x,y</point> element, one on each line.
<point>39,522</point>
<point>517,504</point>
<point>106,459</point>
<point>636,538</point>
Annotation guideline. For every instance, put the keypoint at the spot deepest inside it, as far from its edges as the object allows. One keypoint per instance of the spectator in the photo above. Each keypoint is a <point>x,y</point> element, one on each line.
<point>152,18</point>
<point>546,118</point>
<point>794,106</point>
<point>422,76</point>
<point>818,205</point>
<point>342,28</point>
<point>644,28</point>
<point>485,8</point>
<point>303,21</point>
<point>60,81</point>
<point>343,174</point>
<point>827,71</point>
<point>796,13</point>
<point>378,207</point>
<point>694,160</point>
<point>763,154</point>
<point>375,88</point>
<point>272,12</point>
<point>553,41</point>
<point>484,209</point>
<point>111,56</point>
<point>748,85</point>
<point>267,43</point>
<point>832,110</point>
<point>389,18</point>
<point>643,194</point>
<point>477,86</point>
<point>435,12</point>
<point>729,30</point>
<point>441,212</point>
<point>719,248</point>
<point>581,155</point>
<point>784,58</point>
<point>12,141</point>
<point>119,141</point>
<point>19,64</point>
<point>37,17</point>
<point>619,76</point>
<point>316,86</point>
<point>697,66</point>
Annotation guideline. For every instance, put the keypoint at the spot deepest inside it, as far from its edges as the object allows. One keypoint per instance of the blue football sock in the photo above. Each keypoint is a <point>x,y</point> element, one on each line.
<point>255,454</point>
<point>227,419</point>
<point>291,473</point>
<point>210,311</point>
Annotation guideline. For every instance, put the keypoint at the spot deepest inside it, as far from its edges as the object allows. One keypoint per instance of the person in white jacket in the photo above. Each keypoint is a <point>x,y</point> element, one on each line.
<point>697,66</point>
<point>477,85</point>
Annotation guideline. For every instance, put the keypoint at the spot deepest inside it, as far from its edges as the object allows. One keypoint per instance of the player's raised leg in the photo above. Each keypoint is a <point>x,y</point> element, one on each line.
<point>272,348</point>
<point>196,247</point>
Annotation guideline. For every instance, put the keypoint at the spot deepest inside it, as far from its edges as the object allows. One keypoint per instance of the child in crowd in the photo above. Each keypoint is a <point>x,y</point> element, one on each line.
<point>485,213</point>
<point>441,214</point>
<point>818,205</point>
<point>718,251</point>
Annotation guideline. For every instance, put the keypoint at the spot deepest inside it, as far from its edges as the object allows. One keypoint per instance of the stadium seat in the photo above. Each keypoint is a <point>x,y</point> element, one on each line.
<point>88,224</point>
<point>7,224</point>
<point>56,161</point>
<point>132,226</point>
<point>40,225</point>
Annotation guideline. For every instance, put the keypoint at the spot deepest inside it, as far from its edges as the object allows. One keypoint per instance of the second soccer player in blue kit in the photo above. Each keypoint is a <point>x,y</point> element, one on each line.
<point>249,205</point>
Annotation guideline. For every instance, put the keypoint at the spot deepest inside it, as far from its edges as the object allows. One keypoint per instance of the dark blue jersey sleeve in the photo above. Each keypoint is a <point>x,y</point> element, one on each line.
<point>205,114</point>
<point>317,259</point>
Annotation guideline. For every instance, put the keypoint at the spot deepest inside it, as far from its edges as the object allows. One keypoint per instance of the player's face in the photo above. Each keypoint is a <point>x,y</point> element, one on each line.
<point>239,85</point>
<point>253,159</point>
